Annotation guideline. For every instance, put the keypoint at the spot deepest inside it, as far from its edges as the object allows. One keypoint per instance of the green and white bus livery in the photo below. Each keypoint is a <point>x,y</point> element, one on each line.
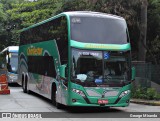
<point>77,59</point>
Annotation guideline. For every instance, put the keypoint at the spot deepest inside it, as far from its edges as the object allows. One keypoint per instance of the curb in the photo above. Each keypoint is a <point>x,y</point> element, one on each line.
<point>145,102</point>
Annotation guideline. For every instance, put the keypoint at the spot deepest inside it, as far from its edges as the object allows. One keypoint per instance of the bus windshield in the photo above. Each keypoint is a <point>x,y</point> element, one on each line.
<point>93,29</point>
<point>99,68</point>
<point>13,62</point>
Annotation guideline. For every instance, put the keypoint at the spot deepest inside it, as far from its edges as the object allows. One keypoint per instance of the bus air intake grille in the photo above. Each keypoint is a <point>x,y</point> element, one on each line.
<point>93,93</point>
<point>111,93</point>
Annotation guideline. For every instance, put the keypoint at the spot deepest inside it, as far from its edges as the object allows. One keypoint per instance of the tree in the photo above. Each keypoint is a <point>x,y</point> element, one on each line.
<point>3,18</point>
<point>26,13</point>
<point>5,25</point>
<point>75,5</point>
<point>153,31</point>
<point>143,31</point>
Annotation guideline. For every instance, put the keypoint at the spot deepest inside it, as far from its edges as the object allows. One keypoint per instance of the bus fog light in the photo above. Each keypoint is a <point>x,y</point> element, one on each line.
<point>74,100</point>
<point>127,101</point>
<point>124,93</point>
<point>79,92</point>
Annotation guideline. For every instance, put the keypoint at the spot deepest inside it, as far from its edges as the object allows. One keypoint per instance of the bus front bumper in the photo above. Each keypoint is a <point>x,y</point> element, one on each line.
<point>12,79</point>
<point>93,101</point>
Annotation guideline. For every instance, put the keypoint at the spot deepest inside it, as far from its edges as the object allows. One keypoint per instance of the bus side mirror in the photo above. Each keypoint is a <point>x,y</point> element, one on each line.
<point>63,71</point>
<point>133,73</point>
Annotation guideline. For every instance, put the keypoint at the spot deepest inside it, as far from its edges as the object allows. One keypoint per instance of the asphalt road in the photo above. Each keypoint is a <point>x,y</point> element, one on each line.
<point>18,101</point>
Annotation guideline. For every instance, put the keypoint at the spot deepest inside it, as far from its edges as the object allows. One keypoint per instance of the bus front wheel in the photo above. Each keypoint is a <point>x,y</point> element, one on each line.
<point>54,100</point>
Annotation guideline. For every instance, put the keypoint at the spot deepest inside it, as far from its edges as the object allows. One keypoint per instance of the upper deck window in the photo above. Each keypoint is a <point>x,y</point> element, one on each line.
<point>98,29</point>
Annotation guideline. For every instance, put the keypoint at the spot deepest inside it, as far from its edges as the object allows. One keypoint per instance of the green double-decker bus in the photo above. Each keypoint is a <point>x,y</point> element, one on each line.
<point>77,58</point>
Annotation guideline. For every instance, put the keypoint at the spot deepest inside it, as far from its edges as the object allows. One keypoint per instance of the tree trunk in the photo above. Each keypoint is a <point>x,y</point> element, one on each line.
<point>143,31</point>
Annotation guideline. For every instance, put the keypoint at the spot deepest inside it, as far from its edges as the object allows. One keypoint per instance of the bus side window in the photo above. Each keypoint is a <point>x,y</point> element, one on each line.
<point>62,41</point>
<point>49,66</point>
<point>43,65</point>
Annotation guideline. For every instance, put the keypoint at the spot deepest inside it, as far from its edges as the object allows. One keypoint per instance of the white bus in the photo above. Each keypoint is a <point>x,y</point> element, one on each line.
<point>9,61</point>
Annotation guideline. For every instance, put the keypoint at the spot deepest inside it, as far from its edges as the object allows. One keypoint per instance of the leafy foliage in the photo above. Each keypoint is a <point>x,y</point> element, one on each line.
<point>28,13</point>
<point>153,33</point>
<point>76,5</point>
<point>145,93</point>
<point>3,18</point>
<point>23,13</point>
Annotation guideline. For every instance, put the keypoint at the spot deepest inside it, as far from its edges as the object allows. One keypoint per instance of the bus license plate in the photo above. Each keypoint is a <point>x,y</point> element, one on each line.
<point>101,101</point>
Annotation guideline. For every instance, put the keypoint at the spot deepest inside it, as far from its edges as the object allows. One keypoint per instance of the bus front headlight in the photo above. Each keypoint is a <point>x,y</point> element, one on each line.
<point>79,92</point>
<point>124,93</point>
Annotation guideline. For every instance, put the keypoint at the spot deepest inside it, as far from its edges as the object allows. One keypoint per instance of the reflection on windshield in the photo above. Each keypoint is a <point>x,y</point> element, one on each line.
<point>96,29</point>
<point>14,62</point>
<point>92,68</point>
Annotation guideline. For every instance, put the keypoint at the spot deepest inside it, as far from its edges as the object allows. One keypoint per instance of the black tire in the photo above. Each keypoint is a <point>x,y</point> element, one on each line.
<point>25,85</point>
<point>28,92</point>
<point>53,98</point>
<point>59,106</point>
<point>54,102</point>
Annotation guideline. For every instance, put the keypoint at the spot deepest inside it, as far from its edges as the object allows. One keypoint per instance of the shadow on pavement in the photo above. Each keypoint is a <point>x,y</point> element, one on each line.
<point>92,110</point>
<point>14,85</point>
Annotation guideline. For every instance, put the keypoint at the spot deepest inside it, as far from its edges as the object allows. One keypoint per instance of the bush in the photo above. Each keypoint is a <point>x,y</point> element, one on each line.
<point>157,96</point>
<point>151,92</point>
<point>145,93</point>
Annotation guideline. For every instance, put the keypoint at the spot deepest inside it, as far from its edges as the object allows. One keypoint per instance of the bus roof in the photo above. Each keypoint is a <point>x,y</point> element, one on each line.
<point>95,14</point>
<point>74,13</point>
<point>13,49</point>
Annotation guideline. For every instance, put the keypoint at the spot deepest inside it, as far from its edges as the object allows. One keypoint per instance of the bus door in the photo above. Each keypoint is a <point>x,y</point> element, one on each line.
<point>64,83</point>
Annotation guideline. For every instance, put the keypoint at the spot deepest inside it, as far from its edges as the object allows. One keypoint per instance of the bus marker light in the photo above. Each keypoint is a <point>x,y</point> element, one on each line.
<point>127,101</point>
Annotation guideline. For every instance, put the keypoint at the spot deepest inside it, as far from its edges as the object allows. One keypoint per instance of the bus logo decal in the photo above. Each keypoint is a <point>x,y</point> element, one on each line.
<point>34,51</point>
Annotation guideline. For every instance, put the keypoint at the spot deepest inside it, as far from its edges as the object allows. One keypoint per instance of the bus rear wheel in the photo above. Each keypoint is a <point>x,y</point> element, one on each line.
<point>24,85</point>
